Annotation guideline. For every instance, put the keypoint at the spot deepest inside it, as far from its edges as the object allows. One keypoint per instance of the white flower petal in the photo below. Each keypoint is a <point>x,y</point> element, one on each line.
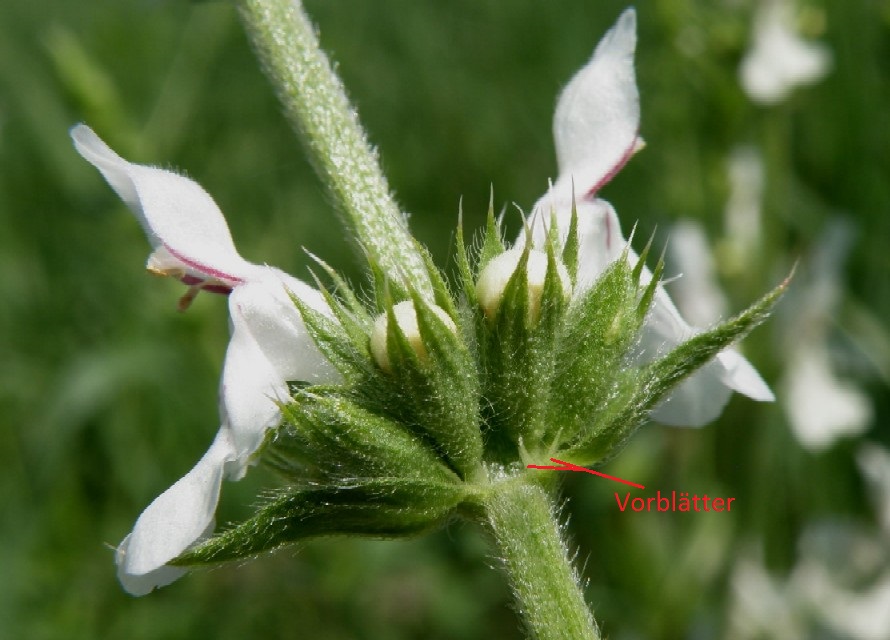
<point>269,347</point>
<point>700,398</point>
<point>140,585</point>
<point>178,518</point>
<point>181,220</point>
<point>597,116</point>
<point>740,375</point>
<point>599,233</point>
<point>697,292</point>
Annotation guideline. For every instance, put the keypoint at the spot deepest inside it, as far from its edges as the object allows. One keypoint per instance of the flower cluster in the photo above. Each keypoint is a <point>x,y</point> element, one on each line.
<point>562,344</point>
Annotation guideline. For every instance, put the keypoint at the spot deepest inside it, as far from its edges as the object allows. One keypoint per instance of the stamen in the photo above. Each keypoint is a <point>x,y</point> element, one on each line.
<point>608,220</point>
<point>165,273</point>
<point>188,297</point>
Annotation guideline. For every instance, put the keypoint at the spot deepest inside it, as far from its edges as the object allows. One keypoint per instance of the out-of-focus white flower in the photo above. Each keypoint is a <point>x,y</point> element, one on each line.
<point>843,575</point>
<point>821,407</point>
<point>837,584</point>
<point>778,59</point>
<point>859,615</point>
<point>741,245</point>
<point>269,346</point>
<point>596,131</point>
<point>762,606</point>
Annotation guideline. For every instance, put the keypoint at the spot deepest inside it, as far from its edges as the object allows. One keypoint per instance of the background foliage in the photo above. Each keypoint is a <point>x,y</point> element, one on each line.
<point>107,395</point>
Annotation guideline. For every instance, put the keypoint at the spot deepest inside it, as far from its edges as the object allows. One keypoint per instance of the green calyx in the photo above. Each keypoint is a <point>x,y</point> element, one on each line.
<point>446,397</point>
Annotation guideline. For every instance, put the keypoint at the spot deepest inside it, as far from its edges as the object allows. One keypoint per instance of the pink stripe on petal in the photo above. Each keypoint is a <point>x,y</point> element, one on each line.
<point>611,173</point>
<point>197,266</point>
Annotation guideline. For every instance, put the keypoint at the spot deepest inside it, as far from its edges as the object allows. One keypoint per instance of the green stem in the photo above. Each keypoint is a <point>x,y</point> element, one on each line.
<point>317,106</point>
<point>526,529</point>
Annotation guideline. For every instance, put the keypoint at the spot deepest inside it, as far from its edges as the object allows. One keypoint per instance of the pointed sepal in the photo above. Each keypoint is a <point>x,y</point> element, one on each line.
<point>377,508</point>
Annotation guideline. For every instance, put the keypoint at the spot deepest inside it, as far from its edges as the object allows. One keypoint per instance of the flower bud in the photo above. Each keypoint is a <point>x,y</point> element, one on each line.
<point>406,318</point>
<point>497,273</point>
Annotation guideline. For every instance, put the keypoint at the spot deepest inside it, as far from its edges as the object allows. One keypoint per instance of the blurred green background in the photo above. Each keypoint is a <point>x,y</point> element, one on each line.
<point>107,394</point>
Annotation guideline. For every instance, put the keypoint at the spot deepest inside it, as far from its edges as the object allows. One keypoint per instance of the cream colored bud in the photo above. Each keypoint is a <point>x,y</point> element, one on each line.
<point>497,273</point>
<point>406,318</point>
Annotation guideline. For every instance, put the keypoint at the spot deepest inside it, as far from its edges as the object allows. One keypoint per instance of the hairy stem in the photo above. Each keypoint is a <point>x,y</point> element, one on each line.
<point>548,594</point>
<point>317,106</point>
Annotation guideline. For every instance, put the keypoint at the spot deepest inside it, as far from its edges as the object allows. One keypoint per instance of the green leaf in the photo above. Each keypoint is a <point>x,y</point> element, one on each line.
<point>379,507</point>
<point>437,395</point>
<point>571,249</point>
<point>492,245</point>
<point>649,292</point>
<point>343,290</point>
<point>518,358</point>
<point>329,435</point>
<point>385,291</point>
<point>597,335</point>
<point>441,294</point>
<point>637,393</point>
<point>343,344</point>
<point>467,279</point>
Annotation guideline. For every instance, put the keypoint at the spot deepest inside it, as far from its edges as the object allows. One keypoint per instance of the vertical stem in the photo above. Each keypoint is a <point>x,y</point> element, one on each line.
<point>547,589</point>
<point>317,106</point>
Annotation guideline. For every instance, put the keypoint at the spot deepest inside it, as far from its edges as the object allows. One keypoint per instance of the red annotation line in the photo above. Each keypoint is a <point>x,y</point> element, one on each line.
<point>568,466</point>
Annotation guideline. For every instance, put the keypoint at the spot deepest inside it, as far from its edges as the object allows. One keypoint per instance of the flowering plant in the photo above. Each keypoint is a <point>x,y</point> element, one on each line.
<point>431,401</point>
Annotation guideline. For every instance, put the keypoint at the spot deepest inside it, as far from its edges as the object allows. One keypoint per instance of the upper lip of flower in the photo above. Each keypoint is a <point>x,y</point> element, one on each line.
<point>184,225</point>
<point>191,242</point>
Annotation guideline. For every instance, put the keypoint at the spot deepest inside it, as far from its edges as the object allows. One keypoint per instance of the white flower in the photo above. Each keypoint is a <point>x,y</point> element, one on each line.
<point>743,217</point>
<point>838,587</point>
<point>778,60</point>
<point>821,405</point>
<point>596,131</point>
<point>269,346</point>
<point>695,289</point>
